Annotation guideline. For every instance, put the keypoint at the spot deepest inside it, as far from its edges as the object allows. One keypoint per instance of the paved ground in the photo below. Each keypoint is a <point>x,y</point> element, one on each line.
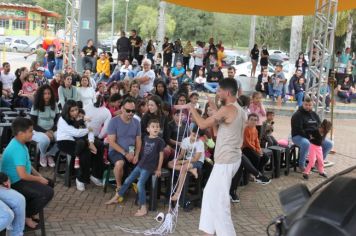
<point>75,213</point>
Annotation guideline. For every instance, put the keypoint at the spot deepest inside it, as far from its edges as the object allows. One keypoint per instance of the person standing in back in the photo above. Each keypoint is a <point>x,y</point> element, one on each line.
<point>123,47</point>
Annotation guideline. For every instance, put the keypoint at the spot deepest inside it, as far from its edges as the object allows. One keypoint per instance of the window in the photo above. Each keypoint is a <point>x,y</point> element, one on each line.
<point>34,25</point>
<point>18,24</point>
<point>4,24</point>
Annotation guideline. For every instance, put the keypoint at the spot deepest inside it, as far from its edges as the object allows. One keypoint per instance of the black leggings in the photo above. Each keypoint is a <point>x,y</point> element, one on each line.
<point>37,195</point>
<point>258,161</point>
<point>90,164</point>
<point>248,166</point>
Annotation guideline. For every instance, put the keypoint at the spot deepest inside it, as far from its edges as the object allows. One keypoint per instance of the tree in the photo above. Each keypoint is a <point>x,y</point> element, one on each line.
<point>296,37</point>
<point>145,19</point>
<point>344,26</point>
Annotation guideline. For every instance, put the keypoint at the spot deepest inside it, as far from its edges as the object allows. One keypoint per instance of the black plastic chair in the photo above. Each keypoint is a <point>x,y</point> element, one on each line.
<point>192,191</point>
<point>271,165</point>
<point>155,188</point>
<point>40,226</point>
<point>68,161</point>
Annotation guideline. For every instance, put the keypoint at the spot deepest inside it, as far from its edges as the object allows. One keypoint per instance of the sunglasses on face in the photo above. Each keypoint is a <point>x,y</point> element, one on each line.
<point>130,111</point>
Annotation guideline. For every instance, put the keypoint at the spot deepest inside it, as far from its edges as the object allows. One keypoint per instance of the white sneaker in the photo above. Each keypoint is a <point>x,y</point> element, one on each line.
<point>80,185</point>
<point>43,161</point>
<point>51,162</point>
<point>96,181</point>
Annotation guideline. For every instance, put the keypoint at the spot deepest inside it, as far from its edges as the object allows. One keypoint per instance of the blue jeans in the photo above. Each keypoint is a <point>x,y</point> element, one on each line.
<point>59,64</point>
<point>299,96</point>
<point>142,176</point>
<point>12,211</point>
<point>211,87</point>
<point>43,143</point>
<point>100,77</point>
<point>304,144</point>
<point>51,65</point>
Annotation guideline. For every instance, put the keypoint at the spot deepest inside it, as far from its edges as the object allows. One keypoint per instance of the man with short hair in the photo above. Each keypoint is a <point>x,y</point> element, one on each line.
<point>229,122</point>
<point>124,135</point>
<point>303,122</point>
<point>146,78</point>
<point>123,47</point>
<point>173,87</point>
<point>7,78</point>
<point>263,80</point>
<point>178,72</point>
<point>231,72</point>
<point>89,56</point>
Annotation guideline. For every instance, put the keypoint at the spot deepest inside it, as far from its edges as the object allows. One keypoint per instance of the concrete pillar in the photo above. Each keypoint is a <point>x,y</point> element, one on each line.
<point>87,26</point>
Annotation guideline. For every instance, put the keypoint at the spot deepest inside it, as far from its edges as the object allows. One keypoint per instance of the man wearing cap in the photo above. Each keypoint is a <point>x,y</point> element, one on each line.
<point>40,78</point>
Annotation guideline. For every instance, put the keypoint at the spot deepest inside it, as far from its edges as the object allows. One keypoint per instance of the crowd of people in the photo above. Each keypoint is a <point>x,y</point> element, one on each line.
<point>149,113</point>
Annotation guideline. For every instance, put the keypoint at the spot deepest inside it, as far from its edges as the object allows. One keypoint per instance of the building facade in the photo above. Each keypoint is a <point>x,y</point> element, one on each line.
<point>24,20</point>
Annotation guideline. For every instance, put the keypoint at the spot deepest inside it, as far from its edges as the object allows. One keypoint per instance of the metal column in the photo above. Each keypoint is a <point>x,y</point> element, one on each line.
<point>70,52</point>
<point>321,52</point>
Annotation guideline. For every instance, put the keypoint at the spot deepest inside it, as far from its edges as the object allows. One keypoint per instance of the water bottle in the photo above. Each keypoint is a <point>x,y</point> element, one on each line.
<point>290,142</point>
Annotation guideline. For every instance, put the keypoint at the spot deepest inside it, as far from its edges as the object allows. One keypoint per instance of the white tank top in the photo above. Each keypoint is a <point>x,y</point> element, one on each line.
<point>230,138</point>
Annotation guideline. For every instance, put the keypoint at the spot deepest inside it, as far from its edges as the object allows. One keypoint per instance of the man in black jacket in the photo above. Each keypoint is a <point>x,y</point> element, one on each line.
<point>303,122</point>
<point>123,47</point>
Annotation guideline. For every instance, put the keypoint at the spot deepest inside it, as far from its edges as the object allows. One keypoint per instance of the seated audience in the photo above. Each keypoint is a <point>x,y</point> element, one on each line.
<point>67,91</point>
<point>37,190</point>
<point>151,160</point>
<point>191,158</point>
<point>124,137</point>
<point>45,114</point>
<point>71,139</point>
<point>251,145</point>
<point>12,208</point>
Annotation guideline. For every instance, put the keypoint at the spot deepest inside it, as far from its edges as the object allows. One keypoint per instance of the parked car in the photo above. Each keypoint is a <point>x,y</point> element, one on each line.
<point>20,45</point>
<point>277,56</point>
<point>244,69</point>
<point>233,59</point>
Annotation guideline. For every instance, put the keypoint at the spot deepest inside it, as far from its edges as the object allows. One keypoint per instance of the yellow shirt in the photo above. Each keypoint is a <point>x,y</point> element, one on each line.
<point>103,66</point>
<point>221,56</point>
<point>187,49</point>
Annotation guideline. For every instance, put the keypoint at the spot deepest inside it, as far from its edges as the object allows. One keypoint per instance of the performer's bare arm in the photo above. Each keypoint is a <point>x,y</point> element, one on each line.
<point>224,114</point>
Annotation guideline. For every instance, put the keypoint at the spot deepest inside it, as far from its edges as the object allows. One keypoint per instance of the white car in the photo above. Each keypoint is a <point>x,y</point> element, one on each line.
<point>244,69</point>
<point>20,45</point>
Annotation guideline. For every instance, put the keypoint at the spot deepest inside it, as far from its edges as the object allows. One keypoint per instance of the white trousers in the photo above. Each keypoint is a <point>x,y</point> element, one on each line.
<point>215,214</point>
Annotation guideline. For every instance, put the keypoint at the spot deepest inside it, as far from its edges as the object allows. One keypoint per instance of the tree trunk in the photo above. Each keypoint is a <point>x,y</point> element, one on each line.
<point>252,34</point>
<point>349,31</point>
<point>161,30</point>
<point>295,38</point>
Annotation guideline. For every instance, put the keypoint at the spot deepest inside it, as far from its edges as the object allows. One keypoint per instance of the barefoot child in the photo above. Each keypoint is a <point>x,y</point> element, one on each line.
<point>315,150</point>
<point>192,148</point>
<point>150,162</point>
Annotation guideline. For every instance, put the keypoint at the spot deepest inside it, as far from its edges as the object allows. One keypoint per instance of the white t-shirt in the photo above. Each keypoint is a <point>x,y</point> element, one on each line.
<point>125,70</point>
<point>190,152</point>
<point>145,88</point>
<point>200,52</point>
<point>86,95</point>
<point>99,119</point>
<point>7,80</point>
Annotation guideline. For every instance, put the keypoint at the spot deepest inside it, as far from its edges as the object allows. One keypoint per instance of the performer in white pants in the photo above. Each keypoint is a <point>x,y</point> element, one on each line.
<point>229,122</point>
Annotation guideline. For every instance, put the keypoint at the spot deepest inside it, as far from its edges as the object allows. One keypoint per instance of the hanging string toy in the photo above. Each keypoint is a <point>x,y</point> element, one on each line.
<point>168,222</point>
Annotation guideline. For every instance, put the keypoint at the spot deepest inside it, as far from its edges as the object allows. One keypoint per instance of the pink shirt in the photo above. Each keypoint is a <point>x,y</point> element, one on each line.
<point>29,88</point>
<point>260,111</point>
